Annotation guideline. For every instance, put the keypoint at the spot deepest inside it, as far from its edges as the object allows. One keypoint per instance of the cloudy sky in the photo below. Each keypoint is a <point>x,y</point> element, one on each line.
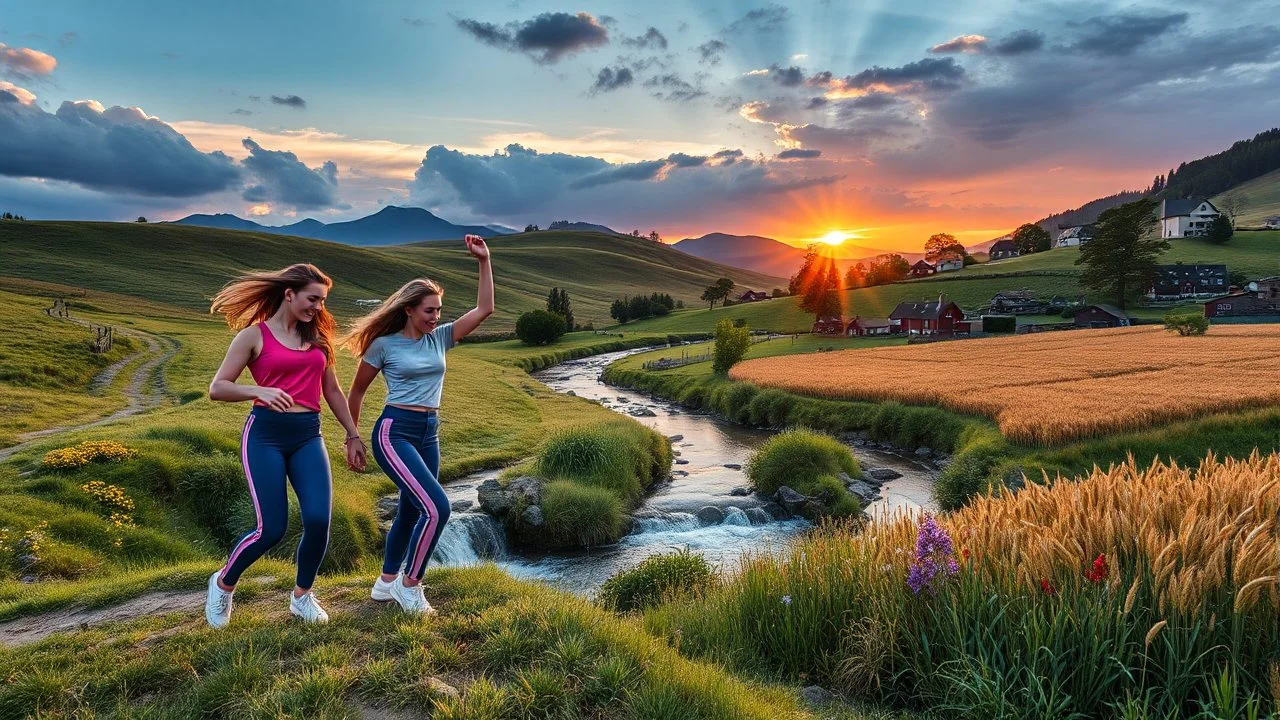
<point>890,120</point>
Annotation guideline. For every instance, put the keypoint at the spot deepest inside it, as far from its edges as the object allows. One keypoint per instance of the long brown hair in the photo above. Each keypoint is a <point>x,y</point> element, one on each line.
<point>254,297</point>
<point>389,317</point>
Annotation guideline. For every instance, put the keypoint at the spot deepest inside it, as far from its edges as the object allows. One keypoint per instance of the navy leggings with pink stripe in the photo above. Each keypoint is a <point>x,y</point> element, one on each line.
<point>276,445</point>
<point>407,446</point>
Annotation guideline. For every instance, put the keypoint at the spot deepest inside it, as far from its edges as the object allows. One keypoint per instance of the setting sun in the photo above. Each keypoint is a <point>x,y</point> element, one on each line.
<point>835,237</point>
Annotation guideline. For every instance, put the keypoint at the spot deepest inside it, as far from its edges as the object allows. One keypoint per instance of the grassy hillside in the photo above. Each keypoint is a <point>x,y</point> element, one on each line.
<point>1262,195</point>
<point>1048,273</point>
<point>185,265</point>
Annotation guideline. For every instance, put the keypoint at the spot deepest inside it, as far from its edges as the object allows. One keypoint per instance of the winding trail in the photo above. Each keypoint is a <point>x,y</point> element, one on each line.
<point>146,388</point>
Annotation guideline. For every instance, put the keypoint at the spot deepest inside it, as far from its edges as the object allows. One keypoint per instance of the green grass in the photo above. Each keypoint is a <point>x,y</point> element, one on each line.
<point>1262,195</point>
<point>186,265</point>
<point>808,463</point>
<point>512,649</point>
<point>655,579</point>
<point>1049,273</point>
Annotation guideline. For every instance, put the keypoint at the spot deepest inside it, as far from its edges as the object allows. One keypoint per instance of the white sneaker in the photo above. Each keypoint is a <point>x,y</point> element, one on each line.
<point>217,604</point>
<point>382,589</point>
<point>307,608</point>
<point>411,599</point>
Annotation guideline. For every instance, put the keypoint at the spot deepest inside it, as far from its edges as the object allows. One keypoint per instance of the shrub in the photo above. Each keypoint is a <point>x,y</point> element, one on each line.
<point>732,343</point>
<point>657,578</point>
<point>1002,323</point>
<point>576,514</point>
<point>539,327</point>
<point>596,457</point>
<point>799,459</point>
<point>214,489</point>
<point>1186,323</point>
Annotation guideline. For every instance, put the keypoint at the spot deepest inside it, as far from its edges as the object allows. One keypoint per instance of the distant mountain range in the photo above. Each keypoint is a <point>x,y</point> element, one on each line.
<point>392,225</point>
<point>769,256</point>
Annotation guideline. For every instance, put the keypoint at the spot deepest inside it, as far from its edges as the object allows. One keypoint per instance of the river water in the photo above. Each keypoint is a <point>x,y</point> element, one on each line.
<point>706,473</point>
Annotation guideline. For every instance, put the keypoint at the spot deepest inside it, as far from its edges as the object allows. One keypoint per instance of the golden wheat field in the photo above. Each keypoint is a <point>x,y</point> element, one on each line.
<point>1052,387</point>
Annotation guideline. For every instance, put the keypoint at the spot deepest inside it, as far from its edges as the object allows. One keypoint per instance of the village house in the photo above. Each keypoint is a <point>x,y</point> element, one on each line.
<point>1075,235</point>
<point>1101,316</point>
<point>753,296</point>
<point>1012,302</point>
<point>922,269</point>
<point>1186,218</point>
<point>948,262</point>
<point>862,327</point>
<point>1272,223</point>
<point>1260,299</point>
<point>938,317</point>
<point>1003,249</point>
<point>828,325</point>
<point>1173,282</point>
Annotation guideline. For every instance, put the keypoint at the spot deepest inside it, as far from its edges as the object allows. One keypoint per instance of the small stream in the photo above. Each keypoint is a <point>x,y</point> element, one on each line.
<point>698,509</point>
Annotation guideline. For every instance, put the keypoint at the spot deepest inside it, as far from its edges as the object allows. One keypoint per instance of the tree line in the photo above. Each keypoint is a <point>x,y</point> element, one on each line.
<point>639,307</point>
<point>11,216</point>
<point>1209,176</point>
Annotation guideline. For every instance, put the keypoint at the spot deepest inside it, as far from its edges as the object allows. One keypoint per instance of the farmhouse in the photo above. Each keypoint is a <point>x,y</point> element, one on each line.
<point>1186,218</point>
<point>1016,301</point>
<point>1272,223</point>
<point>862,327</point>
<point>1101,316</point>
<point>1261,299</point>
<point>949,262</point>
<point>1074,235</point>
<point>1004,249</point>
<point>828,326</point>
<point>940,317</point>
<point>1183,281</point>
<point>753,296</point>
<point>922,269</point>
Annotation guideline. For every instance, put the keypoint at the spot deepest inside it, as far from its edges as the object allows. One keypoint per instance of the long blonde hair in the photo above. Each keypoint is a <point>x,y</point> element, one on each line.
<point>389,317</point>
<point>256,296</point>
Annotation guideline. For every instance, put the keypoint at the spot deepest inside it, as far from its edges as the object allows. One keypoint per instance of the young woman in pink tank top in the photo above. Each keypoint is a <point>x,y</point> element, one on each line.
<point>286,340</point>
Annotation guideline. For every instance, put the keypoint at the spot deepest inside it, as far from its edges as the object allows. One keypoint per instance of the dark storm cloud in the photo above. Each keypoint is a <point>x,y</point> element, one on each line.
<point>1017,43</point>
<point>929,73</point>
<point>1120,35</point>
<point>799,154</point>
<point>787,77</point>
<point>282,178</point>
<point>546,38</point>
<point>292,101</point>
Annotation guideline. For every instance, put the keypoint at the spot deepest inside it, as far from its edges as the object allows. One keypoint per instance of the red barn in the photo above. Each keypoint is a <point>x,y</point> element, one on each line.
<point>935,317</point>
<point>922,269</point>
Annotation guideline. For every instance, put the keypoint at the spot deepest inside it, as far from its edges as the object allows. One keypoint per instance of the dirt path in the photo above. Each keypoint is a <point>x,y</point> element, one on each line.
<point>22,631</point>
<point>141,394</point>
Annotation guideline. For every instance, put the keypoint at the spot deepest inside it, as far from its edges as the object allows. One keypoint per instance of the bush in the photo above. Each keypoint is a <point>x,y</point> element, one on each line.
<point>1001,323</point>
<point>799,459</point>
<point>658,578</point>
<point>1220,230</point>
<point>1186,323</point>
<point>732,343</point>
<point>539,327</point>
<point>581,515</point>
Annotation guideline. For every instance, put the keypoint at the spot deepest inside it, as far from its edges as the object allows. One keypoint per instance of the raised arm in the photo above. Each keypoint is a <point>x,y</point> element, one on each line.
<point>463,326</point>
<point>224,387</point>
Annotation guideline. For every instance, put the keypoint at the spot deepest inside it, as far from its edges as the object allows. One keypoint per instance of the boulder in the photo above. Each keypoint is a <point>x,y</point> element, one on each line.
<point>676,453</point>
<point>740,491</point>
<point>494,498</point>
<point>733,466</point>
<point>680,461</point>
<point>386,506</point>
<point>882,474</point>
<point>674,438</point>
<point>813,511</point>
<point>758,516</point>
<point>642,412</point>
<point>571,393</point>
<point>679,473</point>
<point>460,505</point>
<point>817,695</point>
<point>790,499</point>
<point>527,488</point>
<point>532,516</point>
<point>776,511</point>
<point>865,492</point>
<point>710,515</point>
<point>440,688</point>
<point>924,452</point>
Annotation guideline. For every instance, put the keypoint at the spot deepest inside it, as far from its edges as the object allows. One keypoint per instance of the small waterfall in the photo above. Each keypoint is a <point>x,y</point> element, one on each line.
<point>735,516</point>
<point>471,538</point>
<point>758,516</point>
<point>665,522</point>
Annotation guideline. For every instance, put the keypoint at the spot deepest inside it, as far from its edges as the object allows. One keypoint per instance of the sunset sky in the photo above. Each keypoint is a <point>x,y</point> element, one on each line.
<point>886,120</point>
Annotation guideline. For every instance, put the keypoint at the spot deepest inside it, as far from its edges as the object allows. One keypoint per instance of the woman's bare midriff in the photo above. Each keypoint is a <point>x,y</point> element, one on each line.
<point>414,408</point>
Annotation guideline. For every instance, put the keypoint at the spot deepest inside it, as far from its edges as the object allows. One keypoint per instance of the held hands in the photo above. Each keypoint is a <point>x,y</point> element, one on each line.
<point>357,456</point>
<point>477,247</point>
<point>275,398</point>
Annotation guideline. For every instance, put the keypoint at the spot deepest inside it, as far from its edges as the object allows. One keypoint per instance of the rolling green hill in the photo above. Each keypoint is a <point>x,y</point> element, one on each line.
<point>1049,273</point>
<point>184,266</point>
<point>1262,198</point>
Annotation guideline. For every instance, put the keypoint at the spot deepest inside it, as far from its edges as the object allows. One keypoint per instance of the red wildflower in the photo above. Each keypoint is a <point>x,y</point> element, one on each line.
<point>1099,571</point>
<point>965,553</point>
<point>1047,587</point>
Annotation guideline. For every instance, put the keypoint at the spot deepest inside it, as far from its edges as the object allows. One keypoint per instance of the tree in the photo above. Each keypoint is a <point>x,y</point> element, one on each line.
<point>558,302</point>
<point>856,277</point>
<point>620,311</point>
<point>635,233</point>
<point>1121,258</point>
<point>1186,323</point>
<point>732,343</point>
<point>939,243</point>
<point>1233,204</point>
<point>779,292</point>
<point>141,219</point>
<point>888,269</point>
<point>640,307</point>
<point>1031,238</point>
<point>1220,230</point>
<point>817,283</point>
<point>654,236</point>
<point>718,290</point>
<point>539,327</point>
<point>531,228</point>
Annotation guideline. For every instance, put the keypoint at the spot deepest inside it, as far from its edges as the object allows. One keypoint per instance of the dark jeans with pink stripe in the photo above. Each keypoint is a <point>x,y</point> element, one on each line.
<point>276,445</point>
<point>407,446</point>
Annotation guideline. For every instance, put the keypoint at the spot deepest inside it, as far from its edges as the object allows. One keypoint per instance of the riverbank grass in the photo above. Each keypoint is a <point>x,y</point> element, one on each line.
<point>809,463</point>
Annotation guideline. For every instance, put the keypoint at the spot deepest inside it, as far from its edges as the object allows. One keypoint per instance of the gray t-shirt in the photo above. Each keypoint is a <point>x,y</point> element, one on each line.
<point>413,369</point>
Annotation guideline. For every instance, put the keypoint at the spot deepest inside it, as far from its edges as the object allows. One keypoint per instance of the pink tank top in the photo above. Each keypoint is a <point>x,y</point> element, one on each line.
<point>297,372</point>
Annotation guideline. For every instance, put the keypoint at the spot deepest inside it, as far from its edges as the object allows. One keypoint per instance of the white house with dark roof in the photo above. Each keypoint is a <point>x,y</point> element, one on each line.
<point>1186,218</point>
<point>1075,235</point>
<point>1272,223</point>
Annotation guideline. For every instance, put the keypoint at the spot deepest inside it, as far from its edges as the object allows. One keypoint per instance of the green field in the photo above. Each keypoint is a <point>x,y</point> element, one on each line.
<point>1262,195</point>
<point>185,265</point>
<point>1049,273</point>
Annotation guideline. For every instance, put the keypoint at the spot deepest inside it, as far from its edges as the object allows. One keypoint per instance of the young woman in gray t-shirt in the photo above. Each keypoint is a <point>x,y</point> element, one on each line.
<point>405,341</point>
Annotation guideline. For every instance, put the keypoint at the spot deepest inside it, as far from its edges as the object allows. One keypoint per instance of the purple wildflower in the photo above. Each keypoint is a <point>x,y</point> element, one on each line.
<point>932,562</point>
<point>786,599</point>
